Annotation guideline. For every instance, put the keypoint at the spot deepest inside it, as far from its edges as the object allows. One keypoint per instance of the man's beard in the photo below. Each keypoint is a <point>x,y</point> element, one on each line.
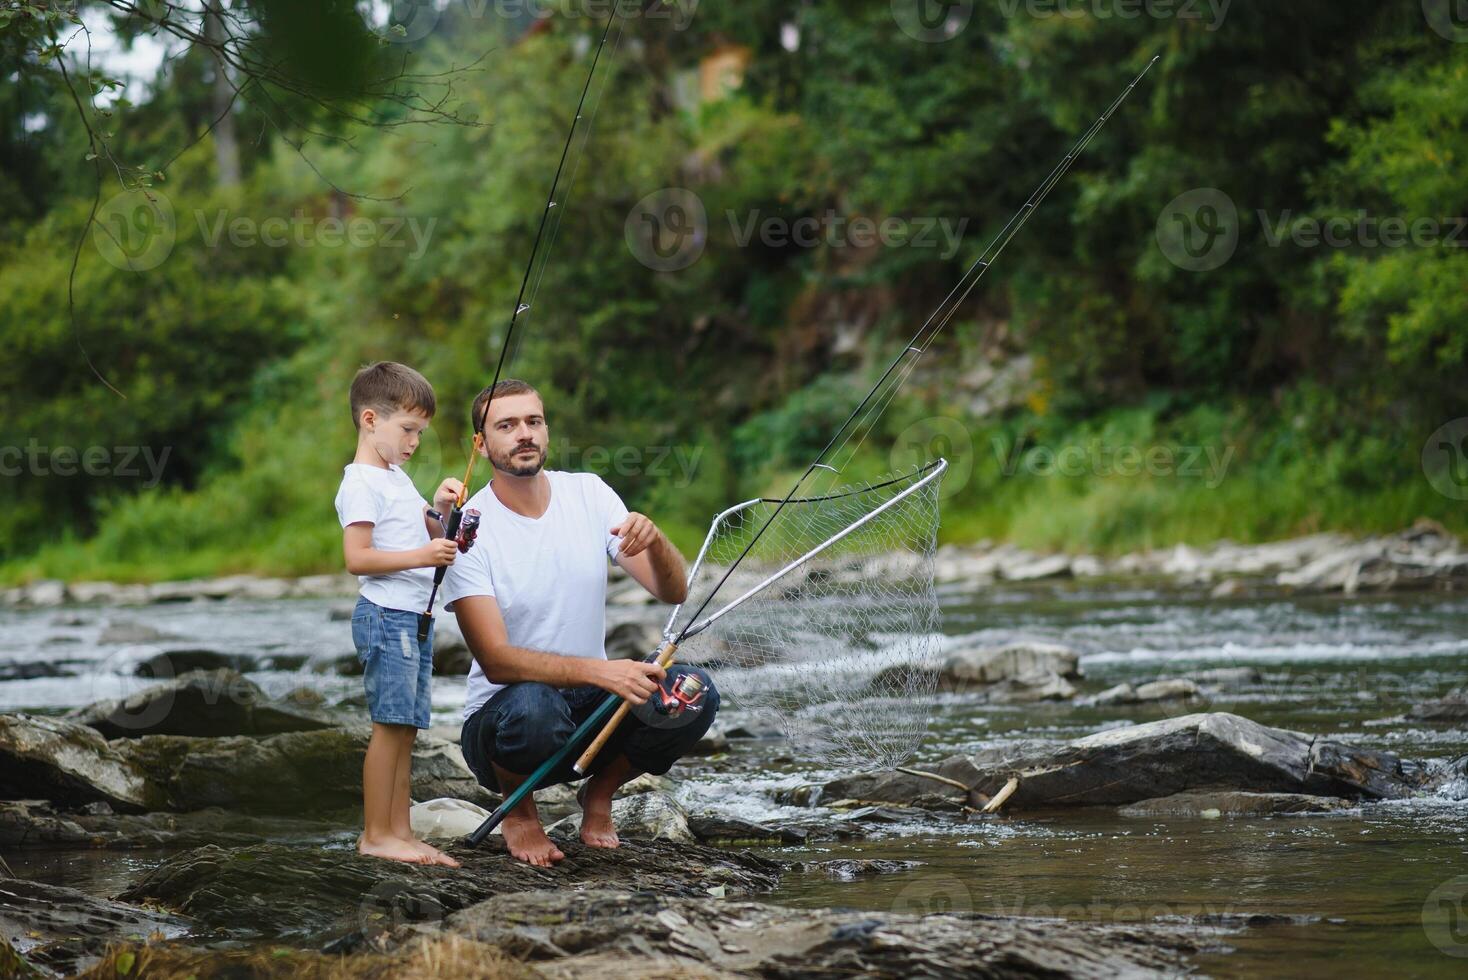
<point>511,464</point>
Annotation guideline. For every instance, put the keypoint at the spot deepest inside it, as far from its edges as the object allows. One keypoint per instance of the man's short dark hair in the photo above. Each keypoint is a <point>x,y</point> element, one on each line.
<point>501,389</point>
<point>388,386</point>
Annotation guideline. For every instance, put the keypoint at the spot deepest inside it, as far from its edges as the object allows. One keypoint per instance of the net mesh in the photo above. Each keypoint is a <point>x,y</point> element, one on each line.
<point>841,651</point>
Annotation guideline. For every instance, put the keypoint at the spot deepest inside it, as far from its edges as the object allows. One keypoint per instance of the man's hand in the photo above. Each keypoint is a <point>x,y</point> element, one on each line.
<point>447,495</point>
<point>438,553</point>
<point>630,679</point>
<point>637,533</point>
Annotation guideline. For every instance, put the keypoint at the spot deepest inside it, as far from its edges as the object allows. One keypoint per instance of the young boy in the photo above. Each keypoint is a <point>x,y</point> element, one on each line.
<point>392,544</point>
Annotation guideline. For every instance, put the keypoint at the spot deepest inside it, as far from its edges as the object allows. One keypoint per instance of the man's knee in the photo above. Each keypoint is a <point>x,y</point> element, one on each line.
<point>534,723</point>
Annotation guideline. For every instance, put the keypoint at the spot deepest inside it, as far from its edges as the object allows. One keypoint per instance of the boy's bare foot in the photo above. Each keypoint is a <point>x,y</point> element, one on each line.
<point>435,856</point>
<point>526,839</point>
<point>597,829</point>
<point>392,849</point>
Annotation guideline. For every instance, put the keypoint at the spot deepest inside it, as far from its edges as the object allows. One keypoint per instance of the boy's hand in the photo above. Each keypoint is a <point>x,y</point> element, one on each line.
<point>439,552</point>
<point>447,495</point>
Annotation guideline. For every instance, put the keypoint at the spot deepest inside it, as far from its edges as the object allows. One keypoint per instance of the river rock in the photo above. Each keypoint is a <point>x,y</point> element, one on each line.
<point>203,703</point>
<point>451,656</point>
<point>646,816</point>
<point>1016,673</point>
<point>26,670</point>
<point>65,762</point>
<point>1453,707</point>
<point>1213,751</point>
<point>289,774</point>
<point>123,632</point>
<point>711,829</point>
<point>632,640</point>
<point>1227,677</point>
<point>66,930</point>
<point>1161,690</point>
<point>40,824</point>
<point>611,932</point>
<point>1228,804</point>
<point>446,818</point>
<point>172,663</point>
<point>340,895</point>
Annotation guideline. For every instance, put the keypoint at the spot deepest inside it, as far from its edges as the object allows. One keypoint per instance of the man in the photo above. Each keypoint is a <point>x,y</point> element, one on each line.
<point>530,598</point>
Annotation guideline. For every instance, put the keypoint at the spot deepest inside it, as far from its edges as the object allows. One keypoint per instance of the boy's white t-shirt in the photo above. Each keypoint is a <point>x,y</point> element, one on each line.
<point>548,574</point>
<point>387,499</point>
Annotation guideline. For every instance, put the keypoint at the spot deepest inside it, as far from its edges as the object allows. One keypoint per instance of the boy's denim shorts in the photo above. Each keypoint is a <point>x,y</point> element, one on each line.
<point>398,670</point>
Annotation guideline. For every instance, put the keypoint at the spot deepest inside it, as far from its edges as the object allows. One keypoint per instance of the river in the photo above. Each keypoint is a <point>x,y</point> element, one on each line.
<point>1370,891</point>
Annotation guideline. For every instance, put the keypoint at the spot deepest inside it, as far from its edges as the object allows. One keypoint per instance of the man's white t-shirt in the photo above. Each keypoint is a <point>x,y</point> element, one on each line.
<point>387,499</point>
<point>547,574</point>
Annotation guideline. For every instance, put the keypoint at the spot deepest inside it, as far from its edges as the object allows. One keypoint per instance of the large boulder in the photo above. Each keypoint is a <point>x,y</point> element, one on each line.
<point>292,773</point>
<point>66,762</point>
<point>1213,751</point>
<point>1235,804</point>
<point>203,703</point>
<point>626,932</point>
<point>1015,673</point>
<point>338,895</point>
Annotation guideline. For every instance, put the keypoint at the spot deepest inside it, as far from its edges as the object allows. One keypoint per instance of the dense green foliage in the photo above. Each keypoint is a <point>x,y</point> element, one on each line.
<point>1313,375</point>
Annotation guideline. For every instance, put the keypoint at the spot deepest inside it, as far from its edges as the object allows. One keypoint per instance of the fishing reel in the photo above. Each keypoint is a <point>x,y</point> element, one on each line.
<point>678,701</point>
<point>468,530</point>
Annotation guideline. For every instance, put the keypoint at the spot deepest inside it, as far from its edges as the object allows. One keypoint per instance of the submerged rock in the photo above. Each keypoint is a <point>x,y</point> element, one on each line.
<point>1213,751</point>
<point>1230,804</point>
<point>626,932</point>
<point>1453,707</point>
<point>1016,673</point>
<point>66,930</point>
<point>39,824</point>
<point>1160,690</point>
<point>203,703</point>
<point>65,762</point>
<point>340,895</point>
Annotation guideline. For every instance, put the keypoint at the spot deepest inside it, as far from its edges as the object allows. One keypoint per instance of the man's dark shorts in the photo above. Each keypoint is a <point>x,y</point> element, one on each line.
<point>525,724</point>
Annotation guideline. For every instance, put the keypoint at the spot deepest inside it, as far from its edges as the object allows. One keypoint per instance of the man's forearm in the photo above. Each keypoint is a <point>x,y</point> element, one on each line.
<point>514,665</point>
<point>668,570</point>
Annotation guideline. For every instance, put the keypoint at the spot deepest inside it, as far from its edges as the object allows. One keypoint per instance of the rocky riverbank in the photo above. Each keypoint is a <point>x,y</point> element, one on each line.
<point>1424,556</point>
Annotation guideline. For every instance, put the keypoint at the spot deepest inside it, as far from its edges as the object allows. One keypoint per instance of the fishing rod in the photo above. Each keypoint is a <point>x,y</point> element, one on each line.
<point>875,400</point>
<point>453,527</point>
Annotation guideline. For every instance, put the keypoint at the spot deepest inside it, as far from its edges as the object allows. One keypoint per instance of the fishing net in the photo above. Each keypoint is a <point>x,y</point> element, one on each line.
<point>838,643</point>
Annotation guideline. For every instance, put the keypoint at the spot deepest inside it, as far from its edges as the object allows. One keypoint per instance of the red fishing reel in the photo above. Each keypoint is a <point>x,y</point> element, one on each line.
<point>678,695</point>
<point>468,530</point>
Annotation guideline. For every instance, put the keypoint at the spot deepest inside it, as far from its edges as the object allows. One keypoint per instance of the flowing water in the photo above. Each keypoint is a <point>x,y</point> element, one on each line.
<point>1378,890</point>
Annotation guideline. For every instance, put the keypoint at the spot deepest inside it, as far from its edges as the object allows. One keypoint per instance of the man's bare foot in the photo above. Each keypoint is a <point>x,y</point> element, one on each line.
<point>392,849</point>
<point>597,829</point>
<point>526,839</point>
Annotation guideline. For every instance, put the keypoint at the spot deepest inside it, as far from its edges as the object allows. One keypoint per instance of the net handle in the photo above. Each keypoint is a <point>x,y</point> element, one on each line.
<point>693,629</point>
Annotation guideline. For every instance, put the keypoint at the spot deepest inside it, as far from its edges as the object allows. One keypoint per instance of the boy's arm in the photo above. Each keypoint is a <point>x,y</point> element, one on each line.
<point>484,630</point>
<point>363,559</point>
<point>444,498</point>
